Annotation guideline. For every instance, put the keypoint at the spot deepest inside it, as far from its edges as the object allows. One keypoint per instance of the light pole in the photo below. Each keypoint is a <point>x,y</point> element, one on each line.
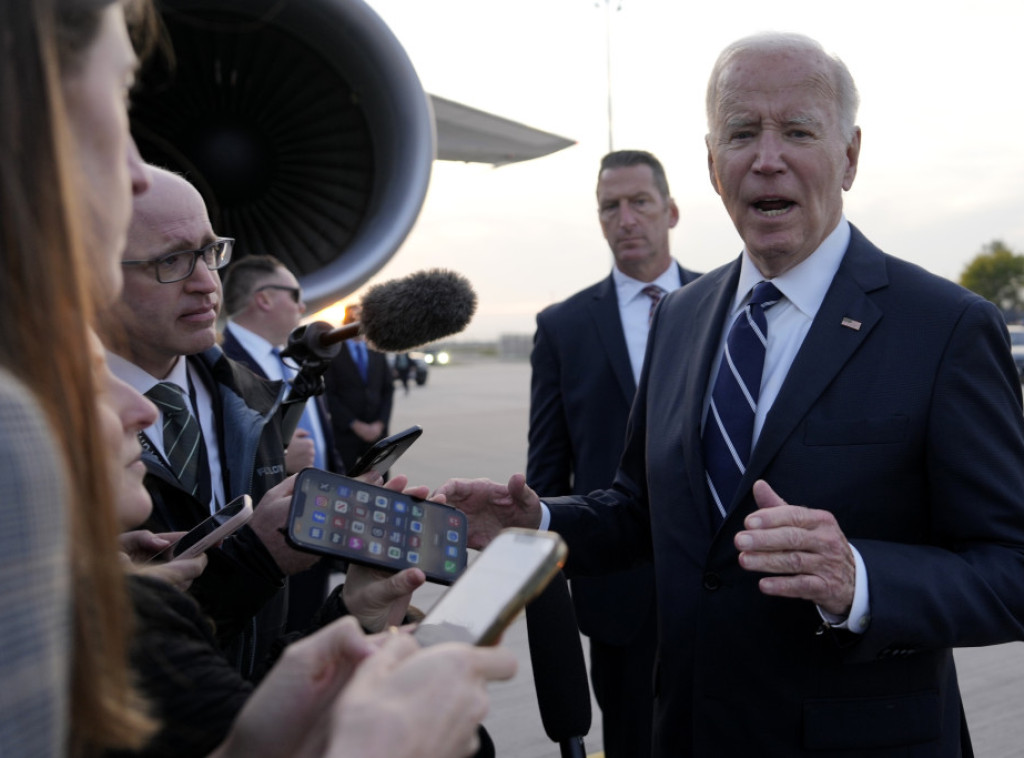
<point>608,64</point>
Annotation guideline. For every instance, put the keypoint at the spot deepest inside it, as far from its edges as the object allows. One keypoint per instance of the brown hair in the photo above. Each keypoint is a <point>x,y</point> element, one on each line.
<point>45,309</point>
<point>242,277</point>
<point>626,158</point>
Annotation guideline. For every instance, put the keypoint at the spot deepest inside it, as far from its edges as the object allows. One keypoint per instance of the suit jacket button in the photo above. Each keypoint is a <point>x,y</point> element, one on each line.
<point>712,581</point>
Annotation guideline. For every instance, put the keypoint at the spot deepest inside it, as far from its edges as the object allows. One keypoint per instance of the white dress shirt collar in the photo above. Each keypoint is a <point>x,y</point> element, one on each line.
<point>628,289</point>
<point>261,350</point>
<point>142,380</point>
<point>635,310</point>
<point>804,285</point>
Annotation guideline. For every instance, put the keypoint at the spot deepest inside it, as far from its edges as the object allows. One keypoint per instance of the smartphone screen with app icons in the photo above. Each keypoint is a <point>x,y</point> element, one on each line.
<point>345,518</point>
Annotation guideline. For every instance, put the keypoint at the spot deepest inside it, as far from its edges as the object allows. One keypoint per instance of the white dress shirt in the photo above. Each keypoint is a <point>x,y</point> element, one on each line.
<point>635,310</point>
<point>263,353</point>
<point>202,408</point>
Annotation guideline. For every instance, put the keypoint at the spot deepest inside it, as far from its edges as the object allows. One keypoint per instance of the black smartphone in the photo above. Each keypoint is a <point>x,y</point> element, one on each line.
<point>209,532</point>
<point>345,518</point>
<point>507,574</point>
<point>382,456</point>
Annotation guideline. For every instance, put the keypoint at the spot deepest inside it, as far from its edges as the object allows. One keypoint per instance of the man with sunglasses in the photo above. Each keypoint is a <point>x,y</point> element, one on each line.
<point>162,340</point>
<point>263,302</point>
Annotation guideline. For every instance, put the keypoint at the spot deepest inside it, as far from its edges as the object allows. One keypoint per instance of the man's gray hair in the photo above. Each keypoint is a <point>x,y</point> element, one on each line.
<point>841,81</point>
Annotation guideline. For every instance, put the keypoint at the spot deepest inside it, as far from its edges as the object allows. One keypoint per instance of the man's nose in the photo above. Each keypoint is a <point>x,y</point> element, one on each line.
<point>769,158</point>
<point>202,278</point>
<point>627,216</point>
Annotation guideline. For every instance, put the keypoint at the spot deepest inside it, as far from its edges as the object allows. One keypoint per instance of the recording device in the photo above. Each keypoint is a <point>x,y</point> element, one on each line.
<point>397,315</point>
<point>510,571</point>
<point>210,532</point>
<point>382,456</point>
<point>559,669</point>
<point>345,518</point>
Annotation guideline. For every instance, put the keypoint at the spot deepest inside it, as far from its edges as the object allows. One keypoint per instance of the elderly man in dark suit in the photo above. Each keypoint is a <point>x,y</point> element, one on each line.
<point>586,360</point>
<point>825,458</point>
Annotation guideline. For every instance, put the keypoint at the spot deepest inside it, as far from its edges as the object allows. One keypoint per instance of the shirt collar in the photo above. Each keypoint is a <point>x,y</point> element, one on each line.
<point>627,288</point>
<point>142,380</point>
<point>252,343</point>
<point>806,284</point>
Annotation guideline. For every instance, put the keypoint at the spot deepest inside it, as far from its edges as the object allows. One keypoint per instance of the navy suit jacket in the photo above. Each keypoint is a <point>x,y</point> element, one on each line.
<point>233,349</point>
<point>349,398</point>
<point>582,388</point>
<point>909,428</point>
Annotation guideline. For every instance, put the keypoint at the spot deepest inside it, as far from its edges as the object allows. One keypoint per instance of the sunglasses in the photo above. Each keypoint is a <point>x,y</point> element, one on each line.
<point>295,292</point>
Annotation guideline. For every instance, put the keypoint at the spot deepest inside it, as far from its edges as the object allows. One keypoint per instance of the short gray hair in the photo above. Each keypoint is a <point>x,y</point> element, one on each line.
<point>843,88</point>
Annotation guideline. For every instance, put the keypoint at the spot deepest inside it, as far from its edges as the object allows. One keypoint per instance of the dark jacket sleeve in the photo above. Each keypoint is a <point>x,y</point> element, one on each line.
<point>549,466</point>
<point>194,691</point>
<point>240,578</point>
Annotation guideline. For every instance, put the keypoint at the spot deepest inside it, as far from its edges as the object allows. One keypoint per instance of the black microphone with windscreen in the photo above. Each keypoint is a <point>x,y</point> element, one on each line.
<point>397,316</point>
<point>559,669</point>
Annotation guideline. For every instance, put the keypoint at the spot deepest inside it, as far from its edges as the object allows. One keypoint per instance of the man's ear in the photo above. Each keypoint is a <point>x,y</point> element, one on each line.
<point>711,165</point>
<point>852,158</point>
<point>262,300</point>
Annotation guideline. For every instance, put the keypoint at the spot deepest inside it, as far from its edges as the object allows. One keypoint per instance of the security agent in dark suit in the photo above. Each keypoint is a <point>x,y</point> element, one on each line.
<point>878,521</point>
<point>360,390</point>
<point>587,355</point>
<point>264,304</point>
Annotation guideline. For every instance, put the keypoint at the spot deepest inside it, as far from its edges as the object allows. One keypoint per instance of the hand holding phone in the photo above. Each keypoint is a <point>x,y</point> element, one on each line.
<point>509,572</point>
<point>347,518</point>
<point>209,532</point>
<point>383,454</point>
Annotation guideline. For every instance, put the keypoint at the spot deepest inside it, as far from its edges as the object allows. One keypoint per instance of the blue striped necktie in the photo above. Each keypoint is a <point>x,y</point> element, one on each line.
<point>729,427</point>
<point>182,438</point>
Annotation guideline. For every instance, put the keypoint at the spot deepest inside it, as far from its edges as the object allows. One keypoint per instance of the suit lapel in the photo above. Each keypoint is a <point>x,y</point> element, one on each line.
<point>710,315</point>
<point>829,344</point>
<point>604,309</point>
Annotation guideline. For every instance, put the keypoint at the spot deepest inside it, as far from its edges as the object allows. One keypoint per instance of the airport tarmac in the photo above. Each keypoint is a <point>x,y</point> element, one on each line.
<point>475,418</point>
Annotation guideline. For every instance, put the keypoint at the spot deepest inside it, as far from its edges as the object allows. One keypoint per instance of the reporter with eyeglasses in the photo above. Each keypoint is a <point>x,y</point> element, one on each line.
<point>218,435</point>
<point>219,432</point>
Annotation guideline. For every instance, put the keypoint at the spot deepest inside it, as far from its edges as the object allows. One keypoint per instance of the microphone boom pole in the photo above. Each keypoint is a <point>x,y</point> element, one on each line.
<point>313,346</point>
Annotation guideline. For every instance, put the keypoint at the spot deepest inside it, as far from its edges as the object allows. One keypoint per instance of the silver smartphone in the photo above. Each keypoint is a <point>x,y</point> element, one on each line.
<point>209,532</point>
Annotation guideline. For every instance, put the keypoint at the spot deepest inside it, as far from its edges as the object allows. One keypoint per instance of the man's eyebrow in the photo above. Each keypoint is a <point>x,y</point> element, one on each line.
<point>801,120</point>
<point>738,122</point>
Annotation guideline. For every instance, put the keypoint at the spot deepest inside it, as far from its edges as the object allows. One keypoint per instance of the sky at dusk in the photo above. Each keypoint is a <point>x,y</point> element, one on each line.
<point>942,160</point>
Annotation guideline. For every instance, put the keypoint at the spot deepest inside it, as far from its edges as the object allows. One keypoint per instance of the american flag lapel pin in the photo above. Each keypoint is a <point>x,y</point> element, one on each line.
<point>850,323</point>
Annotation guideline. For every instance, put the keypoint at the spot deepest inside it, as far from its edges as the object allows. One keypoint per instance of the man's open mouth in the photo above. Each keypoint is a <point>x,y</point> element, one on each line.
<point>773,206</point>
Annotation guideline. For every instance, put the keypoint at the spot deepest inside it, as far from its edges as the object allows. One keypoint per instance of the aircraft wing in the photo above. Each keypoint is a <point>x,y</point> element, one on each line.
<point>474,136</point>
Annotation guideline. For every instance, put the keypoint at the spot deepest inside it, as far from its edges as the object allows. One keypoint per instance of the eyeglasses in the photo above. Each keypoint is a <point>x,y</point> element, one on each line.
<point>174,267</point>
<point>296,292</point>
